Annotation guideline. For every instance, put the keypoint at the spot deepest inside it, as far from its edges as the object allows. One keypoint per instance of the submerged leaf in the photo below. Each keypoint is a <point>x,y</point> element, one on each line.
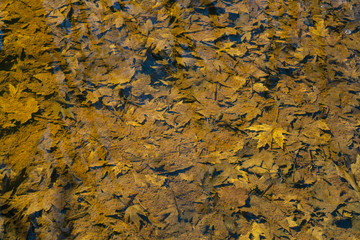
<point>12,90</point>
<point>260,88</point>
<point>278,136</point>
<point>268,133</point>
<point>135,214</point>
<point>18,108</point>
<point>233,196</point>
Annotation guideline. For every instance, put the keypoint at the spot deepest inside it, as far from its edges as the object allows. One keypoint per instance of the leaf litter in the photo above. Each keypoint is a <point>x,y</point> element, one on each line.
<point>179,119</point>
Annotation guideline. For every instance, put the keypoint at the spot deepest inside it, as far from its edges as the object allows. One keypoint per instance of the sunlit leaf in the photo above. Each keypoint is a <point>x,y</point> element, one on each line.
<point>260,88</point>
<point>278,136</point>
<point>268,133</point>
<point>12,90</point>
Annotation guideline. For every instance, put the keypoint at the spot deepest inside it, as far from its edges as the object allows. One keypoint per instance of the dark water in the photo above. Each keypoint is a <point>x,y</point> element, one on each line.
<point>179,119</point>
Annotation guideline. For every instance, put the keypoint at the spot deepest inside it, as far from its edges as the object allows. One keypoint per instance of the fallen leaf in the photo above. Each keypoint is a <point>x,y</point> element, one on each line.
<point>136,215</point>
<point>260,88</point>
<point>268,133</point>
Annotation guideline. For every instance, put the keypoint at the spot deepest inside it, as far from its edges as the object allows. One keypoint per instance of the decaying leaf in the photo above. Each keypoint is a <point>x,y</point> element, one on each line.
<point>232,196</point>
<point>16,106</point>
<point>317,132</point>
<point>136,215</point>
<point>257,232</point>
<point>355,168</point>
<point>153,113</point>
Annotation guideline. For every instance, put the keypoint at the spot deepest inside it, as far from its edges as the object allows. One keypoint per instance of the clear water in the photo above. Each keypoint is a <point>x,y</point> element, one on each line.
<point>179,119</point>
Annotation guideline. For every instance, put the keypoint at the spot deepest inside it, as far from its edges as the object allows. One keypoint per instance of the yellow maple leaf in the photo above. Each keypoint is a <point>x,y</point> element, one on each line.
<point>264,138</point>
<point>319,29</point>
<point>268,133</point>
<point>278,136</point>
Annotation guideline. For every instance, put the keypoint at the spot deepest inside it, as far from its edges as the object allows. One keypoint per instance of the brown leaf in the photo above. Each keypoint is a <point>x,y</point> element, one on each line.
<point>233,196</point>
<point>136,215</point>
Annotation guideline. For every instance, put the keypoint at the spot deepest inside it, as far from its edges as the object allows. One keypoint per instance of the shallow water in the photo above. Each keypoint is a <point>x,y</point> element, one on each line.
<point>179,119</point>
